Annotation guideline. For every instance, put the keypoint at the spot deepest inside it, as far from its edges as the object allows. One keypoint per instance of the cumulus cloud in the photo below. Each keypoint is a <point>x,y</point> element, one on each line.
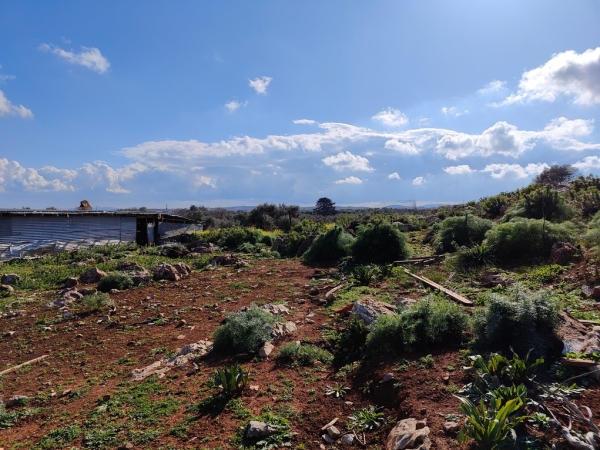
<point>390,117</point>
<point>349,180</point>
<point>89,57</point>
<point>97,175</point>
<point>234,104</point>
<point>418,181</point>
<point>492,87</point>
<point>406,148</point>
<point>348,161</point>
<point>458,170</point>
<point>394,176</point>
<point>572,74</point>
<point>8,109</point>
<point>588,163</point>
<point>454,111</point>
<point>260,84</point>
<point>516,170</point>
<point>304,122</point>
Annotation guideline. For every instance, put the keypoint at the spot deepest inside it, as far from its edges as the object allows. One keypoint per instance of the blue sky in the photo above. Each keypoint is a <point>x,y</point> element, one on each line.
<point>147,103</point>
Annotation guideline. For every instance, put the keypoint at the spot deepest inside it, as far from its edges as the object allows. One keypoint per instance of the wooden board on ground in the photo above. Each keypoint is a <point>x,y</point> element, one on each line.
<point>578,362</point>
<point>453,295</point>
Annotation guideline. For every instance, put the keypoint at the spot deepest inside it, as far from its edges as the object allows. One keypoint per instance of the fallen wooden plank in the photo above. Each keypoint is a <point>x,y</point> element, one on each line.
<point>32,361</point>
<point>329,296</point>
<point>333,422</point>
<point>589,322</point>
<point>578,362</point>
<point>417,260</point>
<point>459,298</point>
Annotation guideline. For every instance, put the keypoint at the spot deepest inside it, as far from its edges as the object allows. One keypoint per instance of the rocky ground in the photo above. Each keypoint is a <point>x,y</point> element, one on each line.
<point>86,389</point>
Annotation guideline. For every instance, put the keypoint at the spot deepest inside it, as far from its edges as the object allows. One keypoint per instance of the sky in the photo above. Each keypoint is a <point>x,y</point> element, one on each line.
<point>223,103</point>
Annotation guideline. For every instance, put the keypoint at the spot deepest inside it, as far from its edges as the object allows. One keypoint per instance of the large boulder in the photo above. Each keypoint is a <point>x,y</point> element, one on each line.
<point>563,253</point>
<point>171,272</point>
<point>10,279</point>
<point>409,434</point>
<point>368,309</point>
<point>92,275</point>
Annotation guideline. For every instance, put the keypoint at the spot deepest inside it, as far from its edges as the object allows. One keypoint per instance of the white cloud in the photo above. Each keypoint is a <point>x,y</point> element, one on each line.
<point>8,109</point>
<point>391,117</point>
<point>492,87</point>
<point>4,77</point>
<point>418,181</point>
<point>304,122</point>
<point>454,111</point>
<point>349,180</point>
<point>588,163</point>
<point>234,104</point>
<point>394,176</point>
<point>348,161</point>
<point>406,148</point>
<point>458,170</point>
<point>89,57</point>
<point>97,175</point>
<point>502,170</point>
<point>571,74</point>
<point>260,84</point>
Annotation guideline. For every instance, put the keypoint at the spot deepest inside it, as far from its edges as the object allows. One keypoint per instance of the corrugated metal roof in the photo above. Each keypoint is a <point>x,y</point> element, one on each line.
<point>164,217</point>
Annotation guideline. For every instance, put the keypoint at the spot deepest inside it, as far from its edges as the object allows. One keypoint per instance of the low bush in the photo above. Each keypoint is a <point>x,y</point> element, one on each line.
<point>527,238</point>
<point>245,331</point>
<point>97,302</point>
<point>334,244</point>
<point>592,237</point>
<point>520,320</point>
<point>234,237</point>
<point>469,258</point>
<point>433,320</point>
<point>456,231</point>
<point>115,280</point>
<point>380,242</point>
<point>304,354</point>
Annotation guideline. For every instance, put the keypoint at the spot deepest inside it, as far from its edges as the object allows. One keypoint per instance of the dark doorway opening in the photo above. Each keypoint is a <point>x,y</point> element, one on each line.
<point>141,232</point>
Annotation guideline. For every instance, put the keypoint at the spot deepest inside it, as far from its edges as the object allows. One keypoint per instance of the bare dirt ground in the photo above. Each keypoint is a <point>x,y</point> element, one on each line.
<point>90,361</point>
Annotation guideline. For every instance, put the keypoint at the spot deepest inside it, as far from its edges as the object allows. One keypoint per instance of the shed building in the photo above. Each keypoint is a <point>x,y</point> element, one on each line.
<point>28,232</point>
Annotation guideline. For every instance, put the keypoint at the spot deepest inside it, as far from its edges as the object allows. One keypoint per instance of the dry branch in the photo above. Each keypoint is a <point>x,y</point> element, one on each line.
<point>32,361</point>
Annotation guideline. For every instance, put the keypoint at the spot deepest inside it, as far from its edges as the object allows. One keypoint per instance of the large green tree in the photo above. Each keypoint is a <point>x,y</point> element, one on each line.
<point>325,207</point>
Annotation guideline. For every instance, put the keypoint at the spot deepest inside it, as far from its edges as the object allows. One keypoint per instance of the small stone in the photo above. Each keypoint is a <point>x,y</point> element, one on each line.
<point>313,291</point>
<point>181,323</point>
<point>114,291</point>
<point>328,439</point>
<point>333,432</point>
<point>254,387</point>
<point>387,377</point>
<point>321,446</point>
<point>348,439</point>
<point>71,282</point>
<point>301,301</point>
<point>266,350</point>
<point>423,411</point>
<point>258,429</point>
<point>6,288</point>
<point>105,397</point>
<point>17,400</point>
<point>101,408</point>
<point>181,336</point>
<point>309,321</point>
<point>348,403</point>
<point>47,329</point>
<point>66,392</point>
<point>451,427</point>
<point>9,333</point>
<point>10,278</point>
<point>446,379</point>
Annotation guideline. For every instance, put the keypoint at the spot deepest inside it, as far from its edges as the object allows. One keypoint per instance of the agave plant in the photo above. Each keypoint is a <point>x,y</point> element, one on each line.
<point>490,426</point>
<point>231,379</point>
<point>338,390</point>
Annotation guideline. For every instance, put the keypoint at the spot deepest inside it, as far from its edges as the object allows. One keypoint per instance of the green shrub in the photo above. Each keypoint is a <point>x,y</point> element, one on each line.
<point>592,237</point>
<point>245,331</point>
<point>234,237</point>
<point>304,354</point>
<point>115,280</point>
<point>520,320</point>
<point>495,206</point>
<point>380,242</point>
<point>527,238</point>
<point>365,275</point>
<point>332,245</point>
<point>457,231</point>
<point>433,320</point>
<point>97,302</point>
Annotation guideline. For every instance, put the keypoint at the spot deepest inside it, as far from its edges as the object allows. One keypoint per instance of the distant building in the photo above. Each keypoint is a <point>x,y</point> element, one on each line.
<point>30,232</point>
